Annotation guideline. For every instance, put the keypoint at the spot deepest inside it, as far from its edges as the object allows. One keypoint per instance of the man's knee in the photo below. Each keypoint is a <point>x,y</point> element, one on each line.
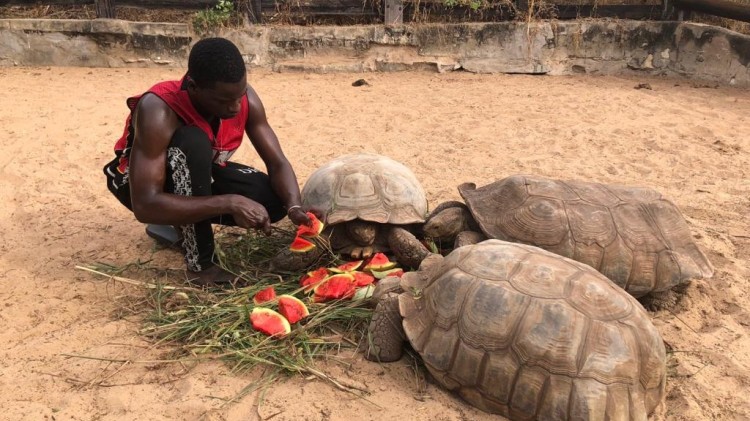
<point>189,160</point>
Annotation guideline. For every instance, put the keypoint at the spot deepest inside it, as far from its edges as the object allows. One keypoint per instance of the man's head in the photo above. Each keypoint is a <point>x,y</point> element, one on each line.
<point>217,77</point>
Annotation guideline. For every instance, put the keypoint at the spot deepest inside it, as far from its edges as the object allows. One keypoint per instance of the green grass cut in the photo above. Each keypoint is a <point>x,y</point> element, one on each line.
<point>215,323</point>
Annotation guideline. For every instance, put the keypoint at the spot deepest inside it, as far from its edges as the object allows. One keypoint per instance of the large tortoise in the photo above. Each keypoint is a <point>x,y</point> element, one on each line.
<point>371,204</point>
<point>525,333</point>
<point>633,235</point>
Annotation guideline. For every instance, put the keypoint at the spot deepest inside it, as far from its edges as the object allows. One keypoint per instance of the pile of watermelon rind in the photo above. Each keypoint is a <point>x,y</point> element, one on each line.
<point>353,280</point>
<point>350,280</point>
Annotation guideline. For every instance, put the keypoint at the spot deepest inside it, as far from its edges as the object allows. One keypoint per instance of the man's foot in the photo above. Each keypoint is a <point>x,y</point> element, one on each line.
<point>212,276</point>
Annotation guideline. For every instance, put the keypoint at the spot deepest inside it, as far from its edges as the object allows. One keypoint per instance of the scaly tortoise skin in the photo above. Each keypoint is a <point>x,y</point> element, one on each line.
<point>525,333</point>
<point>633,235</point>
<point>371,203</point>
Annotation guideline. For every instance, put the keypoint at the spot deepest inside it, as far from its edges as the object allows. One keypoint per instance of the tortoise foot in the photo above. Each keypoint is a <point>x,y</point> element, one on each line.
<point>358,253</point>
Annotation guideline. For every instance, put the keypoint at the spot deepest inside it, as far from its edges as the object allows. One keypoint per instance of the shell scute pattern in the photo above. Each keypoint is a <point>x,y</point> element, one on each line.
<point>633,235</point>
<point>541,336</point>
<point>366,186</point>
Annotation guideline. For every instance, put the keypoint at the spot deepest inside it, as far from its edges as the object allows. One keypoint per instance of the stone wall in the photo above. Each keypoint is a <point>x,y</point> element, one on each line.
<point>562,47</point>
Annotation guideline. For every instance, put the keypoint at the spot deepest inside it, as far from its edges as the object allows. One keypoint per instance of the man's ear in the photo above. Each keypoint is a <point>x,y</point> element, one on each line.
<point>191,85</point>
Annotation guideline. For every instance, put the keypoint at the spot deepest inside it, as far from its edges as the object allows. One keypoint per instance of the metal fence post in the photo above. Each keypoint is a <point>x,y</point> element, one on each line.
<point>394,12</point>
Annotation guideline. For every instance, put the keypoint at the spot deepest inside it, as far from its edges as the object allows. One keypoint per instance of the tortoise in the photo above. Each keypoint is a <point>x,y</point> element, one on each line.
<point>633,235</point>
<point>371,204</point>
<point>519,331</point>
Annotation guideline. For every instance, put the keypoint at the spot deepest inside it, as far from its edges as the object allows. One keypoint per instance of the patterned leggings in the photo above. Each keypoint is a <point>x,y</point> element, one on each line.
<point>190,172</point>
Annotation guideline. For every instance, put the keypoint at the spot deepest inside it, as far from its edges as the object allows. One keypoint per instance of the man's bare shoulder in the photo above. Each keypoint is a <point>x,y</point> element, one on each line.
<point>153,112</point>
<point>151,103</point>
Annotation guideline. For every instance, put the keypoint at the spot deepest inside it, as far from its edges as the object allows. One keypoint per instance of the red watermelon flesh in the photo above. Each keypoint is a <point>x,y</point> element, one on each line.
<point>269,322</point>
<point>312,278</point>
<point>264,296</point>
<point>347,267</point>
<point>292,308</point>
<point>313,230</point>
<point>300,245</point>
<point>362,279</point>
<point>335,287</point>
<point>379,262</point>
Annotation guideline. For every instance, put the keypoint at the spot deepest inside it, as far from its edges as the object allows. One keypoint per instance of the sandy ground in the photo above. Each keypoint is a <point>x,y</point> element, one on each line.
<point>58,127</point>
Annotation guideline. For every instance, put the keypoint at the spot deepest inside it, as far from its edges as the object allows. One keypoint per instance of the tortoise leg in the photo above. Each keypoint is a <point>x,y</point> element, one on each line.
<point>408,249</point>
<point>664,300</point>
<point>385,335</point>
<point>466,238</point>
<point>446,224</point>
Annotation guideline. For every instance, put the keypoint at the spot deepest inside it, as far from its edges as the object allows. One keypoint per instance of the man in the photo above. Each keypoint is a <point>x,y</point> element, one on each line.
<point>171,165</point>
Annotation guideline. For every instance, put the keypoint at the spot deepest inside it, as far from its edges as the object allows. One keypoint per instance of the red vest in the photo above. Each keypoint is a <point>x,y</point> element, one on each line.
<point>226,141</point>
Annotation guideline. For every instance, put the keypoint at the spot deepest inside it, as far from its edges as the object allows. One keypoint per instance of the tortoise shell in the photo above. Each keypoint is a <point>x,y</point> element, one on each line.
<point>365,186</point>
<point>528,334</point>
<point>632,235</point>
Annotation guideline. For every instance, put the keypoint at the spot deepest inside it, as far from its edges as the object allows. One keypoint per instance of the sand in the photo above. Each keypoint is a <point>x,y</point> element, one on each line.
<point>58,127</point>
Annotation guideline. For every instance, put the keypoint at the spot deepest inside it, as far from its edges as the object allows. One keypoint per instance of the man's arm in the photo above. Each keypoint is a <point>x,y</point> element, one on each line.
<point>155,123</point>
<point>283,180</point>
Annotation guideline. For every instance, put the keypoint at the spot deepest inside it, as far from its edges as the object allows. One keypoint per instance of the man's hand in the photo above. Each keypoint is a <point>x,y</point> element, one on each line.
<point>298,216</point>
<point>250,214</point>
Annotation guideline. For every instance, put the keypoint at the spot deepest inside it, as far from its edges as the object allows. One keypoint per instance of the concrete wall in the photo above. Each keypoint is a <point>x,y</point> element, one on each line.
<point>562,47</point>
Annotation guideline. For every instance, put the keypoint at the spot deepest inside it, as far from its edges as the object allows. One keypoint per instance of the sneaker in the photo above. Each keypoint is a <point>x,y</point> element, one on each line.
<point>166,235</point>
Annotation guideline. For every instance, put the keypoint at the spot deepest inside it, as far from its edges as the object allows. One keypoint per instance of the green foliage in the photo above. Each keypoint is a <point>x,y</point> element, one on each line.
<point>211,19</point>
<point>474,5</point>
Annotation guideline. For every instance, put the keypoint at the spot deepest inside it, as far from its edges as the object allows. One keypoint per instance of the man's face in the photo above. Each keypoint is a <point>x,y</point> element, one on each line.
<point>220,100</point>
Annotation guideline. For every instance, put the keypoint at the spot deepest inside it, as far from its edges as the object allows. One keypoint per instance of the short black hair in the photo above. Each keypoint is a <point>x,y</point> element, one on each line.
<point>214,60</point>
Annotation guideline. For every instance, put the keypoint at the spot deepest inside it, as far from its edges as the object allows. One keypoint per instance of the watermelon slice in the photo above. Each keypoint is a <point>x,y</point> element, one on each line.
<point>292,308</point>
<point>313,230</point>
<point>347,267</point>
<point>300,245</point>
<point>334,287</point>
<point>312,278</point>
<point>379,262</point>
<point>269,322</point>
<point>397,272</point>
<point>362,279</point>
<point>364,293</point>
<point>264,296</point>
